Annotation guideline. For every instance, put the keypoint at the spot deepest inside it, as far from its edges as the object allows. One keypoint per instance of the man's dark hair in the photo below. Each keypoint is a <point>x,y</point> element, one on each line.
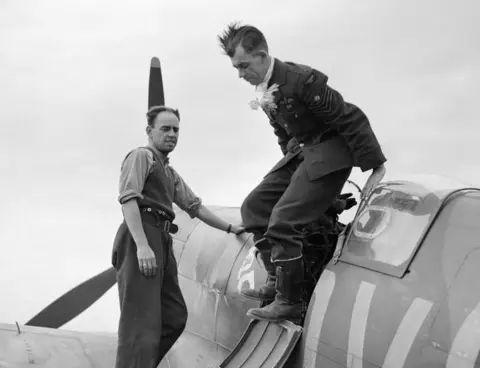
<point>155,110</point>
<point>249,37</point>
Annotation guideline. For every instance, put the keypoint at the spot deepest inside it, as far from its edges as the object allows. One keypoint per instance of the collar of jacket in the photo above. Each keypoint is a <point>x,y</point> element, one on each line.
<point>279,74</point>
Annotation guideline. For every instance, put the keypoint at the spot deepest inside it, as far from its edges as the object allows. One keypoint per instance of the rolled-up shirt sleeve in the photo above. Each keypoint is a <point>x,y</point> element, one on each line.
<point>134,171</point>
<point>184,196</point>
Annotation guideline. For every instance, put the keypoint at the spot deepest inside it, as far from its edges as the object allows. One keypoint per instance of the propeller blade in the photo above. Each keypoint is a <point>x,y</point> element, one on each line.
<point>75,301</point>
<point>155,84</point>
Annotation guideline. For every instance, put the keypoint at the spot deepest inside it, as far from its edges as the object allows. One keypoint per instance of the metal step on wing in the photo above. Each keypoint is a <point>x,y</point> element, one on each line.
<point>264,345</point>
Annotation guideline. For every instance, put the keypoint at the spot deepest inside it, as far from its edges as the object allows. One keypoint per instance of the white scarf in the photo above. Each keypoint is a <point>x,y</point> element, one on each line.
<point>265,95</point>
<point>262,87</point>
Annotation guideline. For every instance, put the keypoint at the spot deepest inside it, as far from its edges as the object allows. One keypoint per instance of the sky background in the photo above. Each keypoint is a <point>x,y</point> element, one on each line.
<point>73,97</point>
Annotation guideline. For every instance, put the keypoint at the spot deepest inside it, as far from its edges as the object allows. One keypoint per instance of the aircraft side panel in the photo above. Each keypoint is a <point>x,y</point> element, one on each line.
<point>231,317</point>
<point>211,265</point>
<point>456,331</point>
<point>201,304</point>
<point>209,254</point>
<point>206,262</point>
<point>363,318</point>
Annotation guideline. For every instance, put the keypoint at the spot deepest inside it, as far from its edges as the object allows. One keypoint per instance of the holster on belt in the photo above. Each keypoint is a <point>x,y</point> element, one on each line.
<point>161,221</point>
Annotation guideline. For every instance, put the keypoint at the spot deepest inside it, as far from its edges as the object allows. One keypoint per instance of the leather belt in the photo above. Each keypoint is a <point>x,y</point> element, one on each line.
<point>163,220</point>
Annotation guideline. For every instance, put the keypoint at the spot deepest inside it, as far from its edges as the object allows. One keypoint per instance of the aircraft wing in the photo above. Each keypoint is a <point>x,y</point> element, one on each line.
<point>45,347</point>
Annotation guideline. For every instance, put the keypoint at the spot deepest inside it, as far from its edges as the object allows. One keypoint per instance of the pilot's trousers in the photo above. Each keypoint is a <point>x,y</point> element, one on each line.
<point>153,313</point>
<point>284,202</point>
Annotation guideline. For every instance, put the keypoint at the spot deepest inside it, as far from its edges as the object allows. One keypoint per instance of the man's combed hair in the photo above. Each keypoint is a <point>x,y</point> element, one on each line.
<point>155,110</point>
<point>249,37</point>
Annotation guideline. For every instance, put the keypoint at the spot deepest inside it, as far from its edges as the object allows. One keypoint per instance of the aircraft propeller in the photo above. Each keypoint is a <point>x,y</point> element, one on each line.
<point>75,301</point>
<point>155,85</point>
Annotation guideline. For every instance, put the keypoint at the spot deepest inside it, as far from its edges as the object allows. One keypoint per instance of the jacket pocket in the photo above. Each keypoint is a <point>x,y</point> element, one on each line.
<point>284,161</point>
<point>326,157</point>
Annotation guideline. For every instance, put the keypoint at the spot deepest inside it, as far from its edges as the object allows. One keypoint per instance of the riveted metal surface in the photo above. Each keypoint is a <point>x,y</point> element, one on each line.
<point>246,272</point>
<point>202,308</point>
<point>192,351</point>
<point>209,254</point>
<point>211,260</point>
<point>231,319</point>
<point>51,348</point>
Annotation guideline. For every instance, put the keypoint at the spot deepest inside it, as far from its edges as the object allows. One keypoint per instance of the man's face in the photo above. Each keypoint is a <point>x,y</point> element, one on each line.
<point>251,67</point>
<point>164,133</point>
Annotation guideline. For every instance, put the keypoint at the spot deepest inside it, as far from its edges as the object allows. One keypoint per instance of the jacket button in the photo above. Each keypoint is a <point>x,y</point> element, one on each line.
<point>301,144</point>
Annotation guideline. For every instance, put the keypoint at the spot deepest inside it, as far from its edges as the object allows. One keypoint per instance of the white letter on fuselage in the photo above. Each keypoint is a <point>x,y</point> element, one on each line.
<point>246,273</point>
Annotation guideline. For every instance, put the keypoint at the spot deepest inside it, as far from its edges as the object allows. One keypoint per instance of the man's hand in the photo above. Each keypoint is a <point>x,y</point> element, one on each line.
<point>347,201</point>
<point>375,178</point>
<point>342,203</point>
<point>237,229</point>
<point>146,260</point>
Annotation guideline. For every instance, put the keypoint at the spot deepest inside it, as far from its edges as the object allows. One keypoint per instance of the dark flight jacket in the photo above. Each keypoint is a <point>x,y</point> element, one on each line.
<point>333,134</point>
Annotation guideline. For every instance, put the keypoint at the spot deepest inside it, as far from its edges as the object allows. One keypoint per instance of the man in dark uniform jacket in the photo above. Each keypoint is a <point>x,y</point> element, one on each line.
<point>153,313</point>
<point>322,137</point>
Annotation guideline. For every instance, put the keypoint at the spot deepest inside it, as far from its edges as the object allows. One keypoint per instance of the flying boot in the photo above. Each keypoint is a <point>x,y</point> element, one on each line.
<point>288,299</point>
<point>265,292</point>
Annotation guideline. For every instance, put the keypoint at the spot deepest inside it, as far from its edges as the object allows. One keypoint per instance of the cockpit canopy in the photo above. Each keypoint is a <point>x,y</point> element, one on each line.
<point>392,223</point>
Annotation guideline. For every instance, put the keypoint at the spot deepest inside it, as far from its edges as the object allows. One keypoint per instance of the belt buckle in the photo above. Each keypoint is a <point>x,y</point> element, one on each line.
<point>166,226</point>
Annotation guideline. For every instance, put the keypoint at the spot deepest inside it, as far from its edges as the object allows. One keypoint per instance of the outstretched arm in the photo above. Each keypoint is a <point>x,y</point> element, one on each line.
<point>207,216</point>
<point>375,177</point>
